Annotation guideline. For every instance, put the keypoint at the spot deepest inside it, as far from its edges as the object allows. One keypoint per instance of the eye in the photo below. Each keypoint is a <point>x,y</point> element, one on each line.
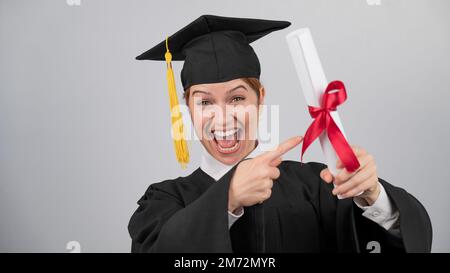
<point>204,102</point>
<point>237,99</point>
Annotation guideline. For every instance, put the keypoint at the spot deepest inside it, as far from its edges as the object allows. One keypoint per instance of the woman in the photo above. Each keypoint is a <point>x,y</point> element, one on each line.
<point>242,199</point>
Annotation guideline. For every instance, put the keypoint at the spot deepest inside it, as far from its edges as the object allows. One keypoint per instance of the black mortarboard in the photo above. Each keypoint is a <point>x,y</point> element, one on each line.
<point>215,49</point>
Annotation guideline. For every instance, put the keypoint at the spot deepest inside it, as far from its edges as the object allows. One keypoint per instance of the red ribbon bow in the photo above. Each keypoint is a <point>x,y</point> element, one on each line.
<point>324,122</point>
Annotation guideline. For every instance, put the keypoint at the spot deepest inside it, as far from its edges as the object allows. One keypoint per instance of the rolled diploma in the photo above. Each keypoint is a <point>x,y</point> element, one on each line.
<point>313,83</point>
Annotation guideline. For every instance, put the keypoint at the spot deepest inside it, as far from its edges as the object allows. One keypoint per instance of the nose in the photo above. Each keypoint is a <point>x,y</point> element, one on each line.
<point>224,118</point>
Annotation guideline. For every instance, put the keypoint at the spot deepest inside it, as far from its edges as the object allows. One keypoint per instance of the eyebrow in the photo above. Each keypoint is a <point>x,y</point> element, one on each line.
<point>236,88</point>
<point>229,91</point>
<point>199,91</point>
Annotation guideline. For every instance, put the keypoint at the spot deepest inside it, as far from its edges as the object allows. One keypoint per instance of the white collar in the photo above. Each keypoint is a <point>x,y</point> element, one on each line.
<point>217,169</point>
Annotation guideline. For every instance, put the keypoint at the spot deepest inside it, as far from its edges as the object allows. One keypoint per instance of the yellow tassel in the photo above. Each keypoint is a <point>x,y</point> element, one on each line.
<point>179,140</point>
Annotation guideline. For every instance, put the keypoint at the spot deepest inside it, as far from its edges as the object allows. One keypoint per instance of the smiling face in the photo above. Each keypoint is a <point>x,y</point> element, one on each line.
<point>225,117</point>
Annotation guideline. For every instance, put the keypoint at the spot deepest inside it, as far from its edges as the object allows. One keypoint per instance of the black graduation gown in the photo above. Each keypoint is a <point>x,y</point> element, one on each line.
<point>190,214</point>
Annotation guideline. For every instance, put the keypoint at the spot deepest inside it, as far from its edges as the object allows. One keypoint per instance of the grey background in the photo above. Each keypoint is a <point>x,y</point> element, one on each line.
<point>84,128</point>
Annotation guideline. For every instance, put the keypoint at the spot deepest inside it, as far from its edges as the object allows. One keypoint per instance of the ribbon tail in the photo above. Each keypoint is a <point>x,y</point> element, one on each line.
<point>314,130</point>
<point>342,148</point>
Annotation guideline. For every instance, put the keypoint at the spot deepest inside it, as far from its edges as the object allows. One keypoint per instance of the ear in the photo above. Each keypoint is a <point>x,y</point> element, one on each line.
<point>262,95</point>
<point>186,96</point>
<point>186,101</point>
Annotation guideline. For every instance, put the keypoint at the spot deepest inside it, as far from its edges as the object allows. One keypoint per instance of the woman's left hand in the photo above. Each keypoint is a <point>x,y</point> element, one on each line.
<point>364,179</point>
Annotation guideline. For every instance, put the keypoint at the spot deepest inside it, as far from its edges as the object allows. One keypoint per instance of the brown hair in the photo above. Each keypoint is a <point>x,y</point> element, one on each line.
<point>254,83</point>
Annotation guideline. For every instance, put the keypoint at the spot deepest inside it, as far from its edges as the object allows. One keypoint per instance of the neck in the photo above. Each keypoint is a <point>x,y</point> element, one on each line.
<point>216,169</point>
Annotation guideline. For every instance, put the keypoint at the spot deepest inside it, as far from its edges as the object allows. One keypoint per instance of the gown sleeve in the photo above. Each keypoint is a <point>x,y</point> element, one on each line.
<point>163,224</point>
<point>344,223</point>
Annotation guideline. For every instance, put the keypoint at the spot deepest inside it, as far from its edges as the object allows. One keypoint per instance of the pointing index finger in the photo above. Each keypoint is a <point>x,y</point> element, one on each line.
<point>283,148</point>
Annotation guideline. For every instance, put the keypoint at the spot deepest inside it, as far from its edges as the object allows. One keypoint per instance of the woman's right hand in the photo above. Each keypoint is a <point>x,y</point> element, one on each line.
<point>253,179</point>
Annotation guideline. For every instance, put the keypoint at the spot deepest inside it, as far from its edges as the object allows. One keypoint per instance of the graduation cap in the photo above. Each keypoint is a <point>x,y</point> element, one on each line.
<point>214,49</point>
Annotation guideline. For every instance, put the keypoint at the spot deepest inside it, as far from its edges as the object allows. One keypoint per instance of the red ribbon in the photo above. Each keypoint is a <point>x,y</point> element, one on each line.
<point>324,122</point>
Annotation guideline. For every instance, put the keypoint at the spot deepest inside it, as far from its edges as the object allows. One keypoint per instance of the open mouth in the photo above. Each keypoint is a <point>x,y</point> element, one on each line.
<point>227,142</point>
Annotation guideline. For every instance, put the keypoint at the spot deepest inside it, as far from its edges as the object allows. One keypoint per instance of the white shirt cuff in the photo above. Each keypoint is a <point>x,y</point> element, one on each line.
<point>233,217</point>
<point>382,211</point>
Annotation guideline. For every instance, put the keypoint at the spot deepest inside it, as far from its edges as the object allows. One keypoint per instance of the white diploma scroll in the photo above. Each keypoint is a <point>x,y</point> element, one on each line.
<point>313,83</point>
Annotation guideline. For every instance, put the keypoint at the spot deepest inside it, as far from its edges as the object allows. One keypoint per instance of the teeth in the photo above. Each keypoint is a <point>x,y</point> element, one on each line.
<point>222,134</point>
